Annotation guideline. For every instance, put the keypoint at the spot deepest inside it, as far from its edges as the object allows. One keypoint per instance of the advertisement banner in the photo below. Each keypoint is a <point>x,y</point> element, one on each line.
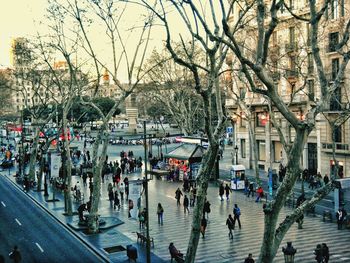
<point>135,201</point>
<point>55,164</point>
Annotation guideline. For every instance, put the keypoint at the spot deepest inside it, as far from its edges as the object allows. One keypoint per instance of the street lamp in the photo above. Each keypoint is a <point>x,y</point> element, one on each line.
<point>289,253</point>
<point>236,151</point>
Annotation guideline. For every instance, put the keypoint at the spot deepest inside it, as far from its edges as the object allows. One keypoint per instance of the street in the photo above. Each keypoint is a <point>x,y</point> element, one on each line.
<point>38,236</point>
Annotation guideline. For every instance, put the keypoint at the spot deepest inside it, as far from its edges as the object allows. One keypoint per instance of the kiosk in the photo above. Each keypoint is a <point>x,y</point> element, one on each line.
<point>237,173</point>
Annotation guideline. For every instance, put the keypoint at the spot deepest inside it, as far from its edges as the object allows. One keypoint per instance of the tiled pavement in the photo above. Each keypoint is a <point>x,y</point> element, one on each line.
<point>216,247</point>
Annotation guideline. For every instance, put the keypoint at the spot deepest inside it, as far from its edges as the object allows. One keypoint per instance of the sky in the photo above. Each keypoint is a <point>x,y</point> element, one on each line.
<point>18,18</point>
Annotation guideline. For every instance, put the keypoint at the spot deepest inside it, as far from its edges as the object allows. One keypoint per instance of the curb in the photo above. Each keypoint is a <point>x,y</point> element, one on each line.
<point>93,249</point>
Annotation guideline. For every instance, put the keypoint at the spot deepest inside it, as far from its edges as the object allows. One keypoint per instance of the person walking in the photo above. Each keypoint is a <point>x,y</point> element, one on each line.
<point>249,259</point>
<point>259,194</point>
<point>236,216</point>
<point>221,191</point>
<point>251,189</point>
<point>318,253</point>
<point>340,215</point>
<point>227,192</point>
<point>110,196</point>
<point>246,186</point>
<point>160,212</point>
<point>301,199</point>
<point>325,252</point>
<point>186,203</point>
<point>230,225</point>
<point>206,209</point>
<point>122,190</point>
<point>178,195</point>
<point>15,255</point>
<point>203,225</point>
<point>191,197</point>
<point>116,200</point>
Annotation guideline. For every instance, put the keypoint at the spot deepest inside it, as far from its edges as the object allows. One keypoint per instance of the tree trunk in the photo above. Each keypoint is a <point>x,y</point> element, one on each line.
<point>97,164</point>
<point>270,244</point>
<point>68,167</point>
<point>34,152</point>
<point>254,148</point>
<point>203,177</point>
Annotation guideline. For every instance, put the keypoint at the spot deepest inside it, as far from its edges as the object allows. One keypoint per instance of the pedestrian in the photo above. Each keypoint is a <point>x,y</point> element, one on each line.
<point>15,255</point>
<point>251,189</point>
<point>122,190</point>
<point>186,203</point>
<point>236,216</point>
<point>227,191</point>
<point>318,253</point>
<point>126,183</point>
<point>259,194</point>
<point>194,194</point>
<point>178,195</point>
<point>206,209</point>
<point>341,216</point>
<point>230,225</point>
<point>160,212</point>
<point>325,179</point>
<point>110,196</point>
<point>301,199</point>
<point>141,219</point>
<point>174,252</point>
<point>249,259</point>
<point>84,178</point>
<point>325,252</point>
<point>221,191</point>
<point>116,200</point>
<point>246,186</point>
<point>203,225</point>
<point>191,197</point>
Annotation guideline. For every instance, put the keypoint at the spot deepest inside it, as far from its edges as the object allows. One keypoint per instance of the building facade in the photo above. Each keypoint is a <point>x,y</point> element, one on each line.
<point>292,67</point>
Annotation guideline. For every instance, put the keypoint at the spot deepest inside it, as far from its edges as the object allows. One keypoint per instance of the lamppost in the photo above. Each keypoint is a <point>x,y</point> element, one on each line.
<point>236,151</point>
<point>289,253</point>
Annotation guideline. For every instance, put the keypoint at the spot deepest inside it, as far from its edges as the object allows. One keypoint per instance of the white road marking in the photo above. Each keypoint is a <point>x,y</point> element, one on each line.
<point>40,248</point>
<point>3,204</point>
<point>344,259</point>
<point>18,221</point>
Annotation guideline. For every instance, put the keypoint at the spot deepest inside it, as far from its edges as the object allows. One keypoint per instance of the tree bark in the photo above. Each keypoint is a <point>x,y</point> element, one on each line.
<point>68,166</point>
<point>270,243</point>
<point>34,152</point>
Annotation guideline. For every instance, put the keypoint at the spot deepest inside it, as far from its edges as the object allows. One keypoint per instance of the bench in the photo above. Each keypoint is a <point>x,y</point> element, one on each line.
<point>177,259</point>
<point>327,213</point>
<point>143,239</point>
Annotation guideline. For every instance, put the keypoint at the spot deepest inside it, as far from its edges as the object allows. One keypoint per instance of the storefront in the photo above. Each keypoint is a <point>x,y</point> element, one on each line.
<point>185,160</point>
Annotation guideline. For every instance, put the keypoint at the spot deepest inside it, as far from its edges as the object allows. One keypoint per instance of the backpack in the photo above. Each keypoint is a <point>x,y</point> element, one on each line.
<point>237,211</point>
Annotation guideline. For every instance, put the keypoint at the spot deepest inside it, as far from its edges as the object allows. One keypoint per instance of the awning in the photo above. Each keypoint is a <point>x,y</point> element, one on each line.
<point>185,152</point>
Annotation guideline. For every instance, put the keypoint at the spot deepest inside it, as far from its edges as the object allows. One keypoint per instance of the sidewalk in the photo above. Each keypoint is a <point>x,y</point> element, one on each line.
<point>226,162</point>
<point>100,242</point>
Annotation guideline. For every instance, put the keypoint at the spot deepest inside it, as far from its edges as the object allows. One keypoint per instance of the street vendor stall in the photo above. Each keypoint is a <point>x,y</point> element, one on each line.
<point>185,161</point>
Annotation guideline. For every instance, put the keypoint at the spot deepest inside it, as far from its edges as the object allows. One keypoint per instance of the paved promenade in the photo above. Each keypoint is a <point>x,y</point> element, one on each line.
<point>216,247</point>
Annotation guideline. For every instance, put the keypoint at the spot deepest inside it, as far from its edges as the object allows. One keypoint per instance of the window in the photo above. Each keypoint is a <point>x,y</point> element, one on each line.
<point>243,148</point>
<point>241,93</point>
<point>310,63</point>
<point>308,32</point>
<point>342,9</point>
<point>242,120</point>
<point>261,150</point>
<point>291,36</point>
<point>261,119</point>
<point>311,89</point>
<point>337,134</point>
<point>334,9</point>
<point>333,41</point>
<point>335,68</point>
<point>277,151</point>
<point>291,4</point>
<point>335,102</point>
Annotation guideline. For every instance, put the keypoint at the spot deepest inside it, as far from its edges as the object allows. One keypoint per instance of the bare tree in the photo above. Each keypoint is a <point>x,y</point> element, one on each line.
<point>171,85</point>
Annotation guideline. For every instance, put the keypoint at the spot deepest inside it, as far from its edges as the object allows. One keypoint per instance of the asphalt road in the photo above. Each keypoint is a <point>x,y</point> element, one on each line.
<point>39,237</point>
